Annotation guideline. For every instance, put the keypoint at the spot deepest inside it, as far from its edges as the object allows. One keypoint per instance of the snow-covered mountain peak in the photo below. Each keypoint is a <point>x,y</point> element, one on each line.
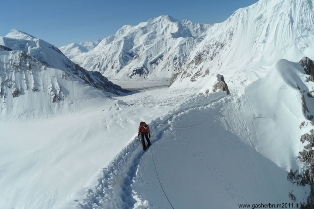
<point>159,25</point>
<point>154,49</point>
<point>77,48</point>
<point>264,32</point>
<point>90,45</point>
<point>41,50</point>
<point>52,57</point>
<point>38,80</point>
<point>84,46</point>
<point>163,19</point>
<point>17,34</point>
<point>168,26</point>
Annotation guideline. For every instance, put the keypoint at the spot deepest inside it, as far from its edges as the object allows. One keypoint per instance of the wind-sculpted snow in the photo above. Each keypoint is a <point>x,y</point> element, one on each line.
<point>270,112</point>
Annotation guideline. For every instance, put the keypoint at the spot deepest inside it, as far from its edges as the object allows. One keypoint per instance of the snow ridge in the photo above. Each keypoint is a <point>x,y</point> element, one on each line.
<point>114,188</point>
<point>207,141</point>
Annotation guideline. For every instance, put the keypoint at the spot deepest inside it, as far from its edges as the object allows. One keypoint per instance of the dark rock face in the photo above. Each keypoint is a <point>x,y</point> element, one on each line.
<point>139,72</point>
<point>97,80</point>
<point>308,65</point>
<point>4,48</point>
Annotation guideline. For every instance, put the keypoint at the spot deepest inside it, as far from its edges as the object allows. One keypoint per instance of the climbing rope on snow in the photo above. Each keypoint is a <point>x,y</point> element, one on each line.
<point>160,181</point>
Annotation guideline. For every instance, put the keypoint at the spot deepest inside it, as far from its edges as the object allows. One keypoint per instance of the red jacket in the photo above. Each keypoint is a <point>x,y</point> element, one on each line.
<point>144,128</point>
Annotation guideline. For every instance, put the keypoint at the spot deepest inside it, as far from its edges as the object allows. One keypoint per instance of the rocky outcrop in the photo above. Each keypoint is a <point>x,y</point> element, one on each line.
<point>4,48</point>
<point>221,84</point>
<point>308,66</point>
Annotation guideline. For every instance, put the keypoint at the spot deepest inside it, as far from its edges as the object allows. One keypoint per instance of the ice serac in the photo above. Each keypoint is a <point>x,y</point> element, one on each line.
<point>264,32</point>
<point>154,49</point>
<point>52,57</point>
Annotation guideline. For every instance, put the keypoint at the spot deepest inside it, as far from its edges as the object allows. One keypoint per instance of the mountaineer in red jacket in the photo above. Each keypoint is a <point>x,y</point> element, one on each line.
<point>144,131</point>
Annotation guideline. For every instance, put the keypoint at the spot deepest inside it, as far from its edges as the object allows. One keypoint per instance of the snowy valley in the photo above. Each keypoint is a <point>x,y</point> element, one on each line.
<point>69,132</point>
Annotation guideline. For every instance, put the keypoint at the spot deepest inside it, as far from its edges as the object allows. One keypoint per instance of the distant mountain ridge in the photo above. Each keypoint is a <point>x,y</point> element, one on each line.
<point>163,47</point>
<point>73,49</point>
<point>153,49</point>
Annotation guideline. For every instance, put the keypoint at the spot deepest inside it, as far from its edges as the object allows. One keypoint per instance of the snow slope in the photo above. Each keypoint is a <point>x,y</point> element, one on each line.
<point>209,150</point>
<point>30,89</point>
<point>270,113</point>
<point>206,154</point>
<point>48,162</point>
<point>254,36</point>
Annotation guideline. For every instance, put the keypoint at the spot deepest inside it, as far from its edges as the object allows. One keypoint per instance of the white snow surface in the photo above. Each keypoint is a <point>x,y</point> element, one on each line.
<point>209,149</point>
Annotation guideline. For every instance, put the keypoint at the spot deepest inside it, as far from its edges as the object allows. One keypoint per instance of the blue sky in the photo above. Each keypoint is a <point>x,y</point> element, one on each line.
<point>61,22</point>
